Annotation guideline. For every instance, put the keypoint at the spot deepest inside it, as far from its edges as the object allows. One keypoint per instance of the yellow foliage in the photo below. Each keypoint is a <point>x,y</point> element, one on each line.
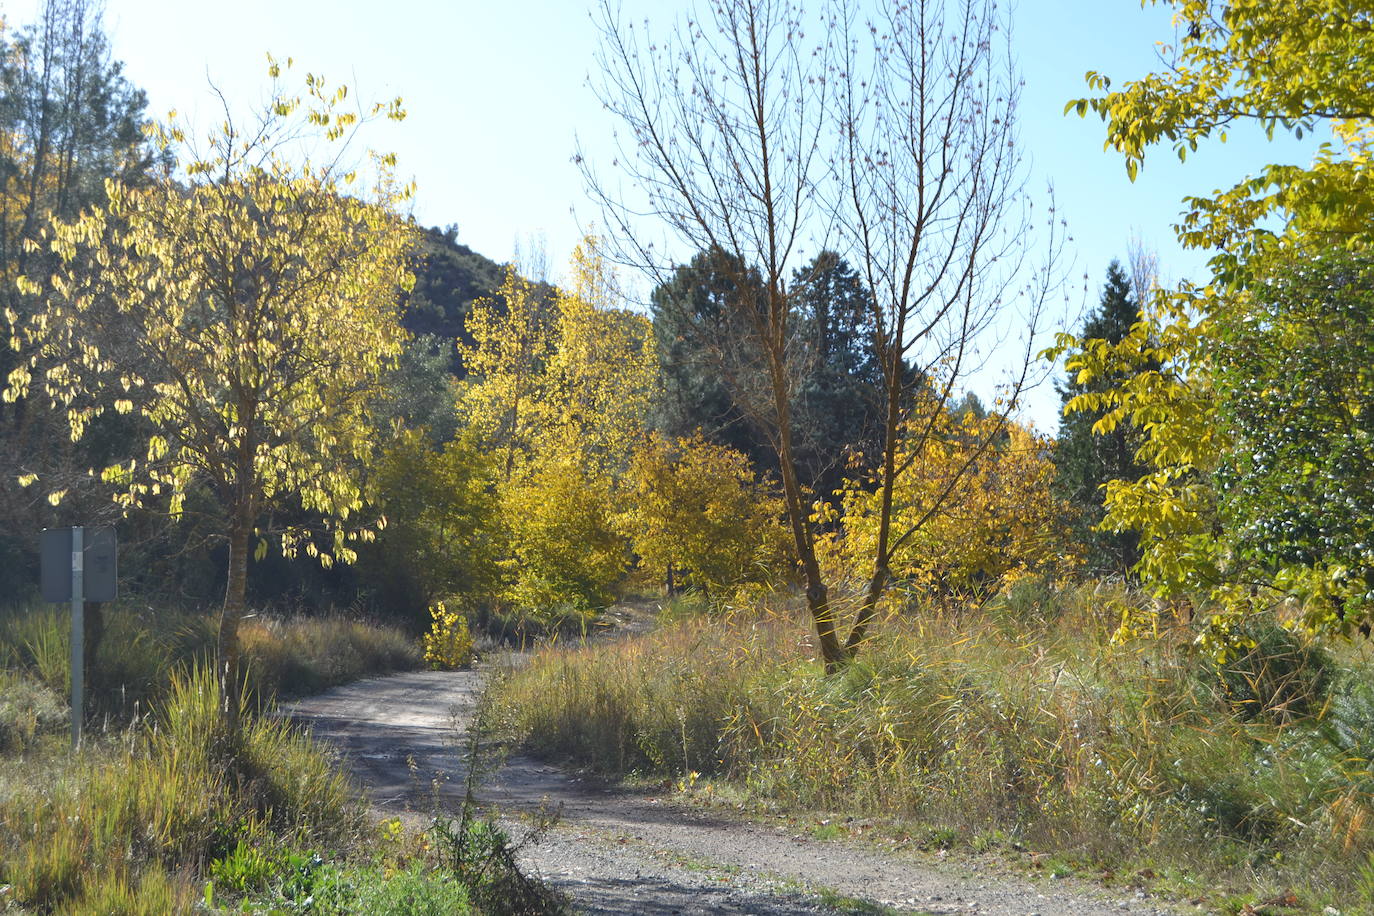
<point>560,383</point>
<point>998,521</point>
<point>1167,394</point>
<point>256,305</point>
<point>553,372</point>
<point>698,507</point>
<point>565,548</point>
<point>448,644</point>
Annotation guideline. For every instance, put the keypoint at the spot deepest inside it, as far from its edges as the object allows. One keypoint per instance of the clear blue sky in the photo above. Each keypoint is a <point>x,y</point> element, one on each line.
<point>496,94</point>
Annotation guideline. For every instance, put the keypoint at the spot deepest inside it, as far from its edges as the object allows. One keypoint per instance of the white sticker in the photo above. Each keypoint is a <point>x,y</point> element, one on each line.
<point>78,560</point>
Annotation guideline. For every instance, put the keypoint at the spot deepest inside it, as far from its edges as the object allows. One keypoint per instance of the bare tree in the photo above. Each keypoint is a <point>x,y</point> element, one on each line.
<point>892,142</point>
<point>1143,268</point>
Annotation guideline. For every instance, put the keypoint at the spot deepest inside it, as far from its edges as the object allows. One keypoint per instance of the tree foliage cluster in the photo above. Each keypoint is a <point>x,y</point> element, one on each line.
<point>1249,393</point>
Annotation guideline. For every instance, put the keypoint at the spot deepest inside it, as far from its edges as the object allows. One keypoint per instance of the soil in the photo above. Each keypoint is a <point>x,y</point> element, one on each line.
<point>618,849</point>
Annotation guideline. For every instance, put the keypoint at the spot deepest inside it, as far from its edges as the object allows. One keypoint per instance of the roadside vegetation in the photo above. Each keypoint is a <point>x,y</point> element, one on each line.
<point>141,651</point>
<point>177,812</point>
<point>1020,727</point>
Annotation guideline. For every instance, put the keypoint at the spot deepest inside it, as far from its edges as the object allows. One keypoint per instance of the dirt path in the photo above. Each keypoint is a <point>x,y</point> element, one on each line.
<point>621,851</point>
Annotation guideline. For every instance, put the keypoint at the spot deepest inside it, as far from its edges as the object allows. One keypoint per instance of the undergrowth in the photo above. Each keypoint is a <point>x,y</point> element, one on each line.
<point>179,814</point>
<point>1020,719</point>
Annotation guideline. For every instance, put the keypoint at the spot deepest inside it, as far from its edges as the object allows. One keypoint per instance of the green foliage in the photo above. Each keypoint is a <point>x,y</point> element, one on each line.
<point>1166,393</point>
<point>837,416</point>
<point>173,798</point>
<point>1234,506</point>
<point>420,392</point>
<point>1294,67</point>
<point>443,534</point>
<point>1295,390</point>
<point>711,385</point>
<point>690,324</point>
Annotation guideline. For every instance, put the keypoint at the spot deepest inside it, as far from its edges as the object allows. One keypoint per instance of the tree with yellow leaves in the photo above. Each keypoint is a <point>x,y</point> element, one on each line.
<point>696,508</point>
<point>244,315</point>
<point>999,520</point>
<point>561,384</point>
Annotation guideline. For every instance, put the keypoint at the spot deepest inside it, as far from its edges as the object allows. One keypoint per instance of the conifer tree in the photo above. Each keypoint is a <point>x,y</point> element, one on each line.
<point>1085,461</point>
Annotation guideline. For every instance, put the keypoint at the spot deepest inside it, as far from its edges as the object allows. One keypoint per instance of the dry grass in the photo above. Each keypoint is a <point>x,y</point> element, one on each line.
<point>123,828</point>
<point>1021,719</point>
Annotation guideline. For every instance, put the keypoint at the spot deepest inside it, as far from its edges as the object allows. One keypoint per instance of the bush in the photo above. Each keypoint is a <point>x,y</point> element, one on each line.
<point>448,644</point>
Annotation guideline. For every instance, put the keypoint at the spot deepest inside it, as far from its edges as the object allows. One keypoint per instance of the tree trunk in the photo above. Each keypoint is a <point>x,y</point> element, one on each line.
<point>235,601</point>
<point>817,595</point>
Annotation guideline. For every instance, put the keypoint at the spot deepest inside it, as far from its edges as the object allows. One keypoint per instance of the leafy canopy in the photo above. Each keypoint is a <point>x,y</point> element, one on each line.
<point>1295,66</point>
<point>243,312</point>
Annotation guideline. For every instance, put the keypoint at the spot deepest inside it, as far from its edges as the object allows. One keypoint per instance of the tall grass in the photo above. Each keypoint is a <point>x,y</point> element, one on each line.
<point>142,647</point>
<point>1021,718</point>
<point>133,822</point>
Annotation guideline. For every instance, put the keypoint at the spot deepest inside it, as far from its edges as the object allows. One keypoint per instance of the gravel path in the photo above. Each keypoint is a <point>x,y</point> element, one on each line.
<point>617,850</point>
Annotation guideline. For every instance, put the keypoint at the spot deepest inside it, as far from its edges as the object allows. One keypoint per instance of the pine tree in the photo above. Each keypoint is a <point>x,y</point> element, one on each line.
<point>1085,461</point>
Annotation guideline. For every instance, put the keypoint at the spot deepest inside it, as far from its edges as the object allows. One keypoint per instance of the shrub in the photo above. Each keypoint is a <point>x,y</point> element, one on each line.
<point>448,644</point>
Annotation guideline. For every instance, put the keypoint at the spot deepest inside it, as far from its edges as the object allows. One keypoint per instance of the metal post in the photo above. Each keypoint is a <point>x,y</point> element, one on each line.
<point>78,633</point>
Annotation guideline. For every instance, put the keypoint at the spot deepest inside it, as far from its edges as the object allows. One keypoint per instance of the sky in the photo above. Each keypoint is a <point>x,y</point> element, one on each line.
<point>498,100</point>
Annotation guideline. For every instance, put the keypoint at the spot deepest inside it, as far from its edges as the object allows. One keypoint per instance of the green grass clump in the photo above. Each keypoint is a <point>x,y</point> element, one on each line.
<point>1022,718</point>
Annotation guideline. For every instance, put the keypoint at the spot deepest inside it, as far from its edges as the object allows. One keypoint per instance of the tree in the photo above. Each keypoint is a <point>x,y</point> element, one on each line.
<point>1086,461</point>
<point>697,375</point>
<point>838,415</point>
<point>443,537</point>
<point>1283,66</point>
<point>835,412</point>
<point>1286,67</point>
<point>744,139</point>
<point>1295,389</point>
<point>561,387</point>
<point>1004,521</point>
<point>245,316</point>
<point>696,510</point>
<point>512,341</point>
